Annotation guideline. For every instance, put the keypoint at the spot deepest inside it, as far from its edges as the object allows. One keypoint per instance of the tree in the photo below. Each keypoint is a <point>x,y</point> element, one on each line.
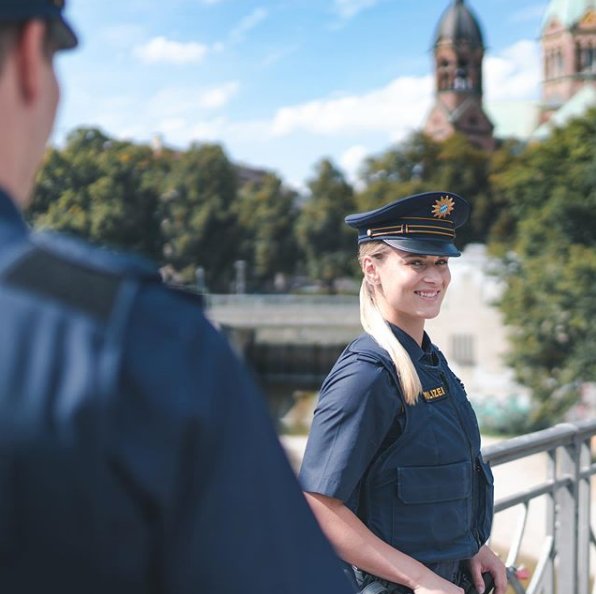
<point>200,224</point>
<point>549,299</point>
<point>266,214</point>
<point>398,172</point>
<point>327,243</point>
<point>104,190</point>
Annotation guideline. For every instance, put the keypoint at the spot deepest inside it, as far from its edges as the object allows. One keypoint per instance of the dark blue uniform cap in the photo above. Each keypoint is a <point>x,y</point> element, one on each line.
<point>420,224</point>
<point>15,11</point>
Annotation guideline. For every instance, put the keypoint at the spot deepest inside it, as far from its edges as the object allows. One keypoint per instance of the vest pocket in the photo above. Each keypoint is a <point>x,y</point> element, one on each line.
<point>433,505</point>
<point>486,499</point>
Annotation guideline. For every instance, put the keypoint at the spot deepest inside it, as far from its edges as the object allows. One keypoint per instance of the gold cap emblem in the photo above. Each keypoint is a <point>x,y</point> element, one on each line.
<point>443,207</point>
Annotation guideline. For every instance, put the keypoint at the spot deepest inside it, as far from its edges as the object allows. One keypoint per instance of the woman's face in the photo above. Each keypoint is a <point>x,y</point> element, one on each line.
<point>410,288</point>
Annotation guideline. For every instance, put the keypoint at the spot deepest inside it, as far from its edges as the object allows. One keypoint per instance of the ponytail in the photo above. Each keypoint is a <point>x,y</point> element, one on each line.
<point>374,324</point>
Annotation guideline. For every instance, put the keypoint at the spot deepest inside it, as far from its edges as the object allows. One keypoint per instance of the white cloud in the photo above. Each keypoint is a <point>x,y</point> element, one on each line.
<point>393,110</point>
<point>247,24</point>
<point>278,55</point>
<point>160,49</point>
<point>350,8</point>
<point>351,160</point>
<point>515,73</point>
<point>183,103</point>
<point>218,96</point>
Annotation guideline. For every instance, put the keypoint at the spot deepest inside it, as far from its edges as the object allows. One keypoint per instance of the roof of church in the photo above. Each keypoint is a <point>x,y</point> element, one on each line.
<point>567,12</point>
<point>458,24</point>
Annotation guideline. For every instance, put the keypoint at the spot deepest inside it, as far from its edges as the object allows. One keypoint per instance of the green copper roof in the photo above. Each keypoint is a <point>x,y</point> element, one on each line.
<point>567,12</point>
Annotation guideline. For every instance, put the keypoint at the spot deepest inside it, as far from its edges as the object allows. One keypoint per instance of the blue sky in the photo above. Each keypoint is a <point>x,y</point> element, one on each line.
<point>282,83</point>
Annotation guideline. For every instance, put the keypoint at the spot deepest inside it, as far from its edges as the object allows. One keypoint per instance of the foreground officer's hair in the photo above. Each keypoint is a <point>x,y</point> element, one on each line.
<point>374,324</point>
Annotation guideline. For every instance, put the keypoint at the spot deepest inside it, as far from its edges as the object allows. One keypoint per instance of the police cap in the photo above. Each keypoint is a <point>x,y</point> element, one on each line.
<point>420,224</point>
<point>15,11</point>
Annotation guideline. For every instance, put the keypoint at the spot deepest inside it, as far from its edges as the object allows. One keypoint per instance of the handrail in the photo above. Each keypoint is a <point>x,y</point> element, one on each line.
<point>564,562</point>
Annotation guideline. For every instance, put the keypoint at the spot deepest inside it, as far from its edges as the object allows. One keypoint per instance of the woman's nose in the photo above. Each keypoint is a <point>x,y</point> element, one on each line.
<point>432,274</point>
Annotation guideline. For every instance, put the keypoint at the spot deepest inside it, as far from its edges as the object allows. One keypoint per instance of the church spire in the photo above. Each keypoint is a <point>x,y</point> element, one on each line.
<point>459,52</point>
<point>458,24</point>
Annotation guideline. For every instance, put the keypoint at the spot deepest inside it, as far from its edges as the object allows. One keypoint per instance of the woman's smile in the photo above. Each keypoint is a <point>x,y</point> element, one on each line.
<point>430,295</point>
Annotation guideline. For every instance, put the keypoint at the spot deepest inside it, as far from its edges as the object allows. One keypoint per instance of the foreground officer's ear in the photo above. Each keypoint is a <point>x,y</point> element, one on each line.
<point>31,60</point>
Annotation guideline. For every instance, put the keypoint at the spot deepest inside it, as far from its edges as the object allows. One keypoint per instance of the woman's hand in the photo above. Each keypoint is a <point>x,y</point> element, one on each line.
<point>431,583</point>
<point>485,560</point>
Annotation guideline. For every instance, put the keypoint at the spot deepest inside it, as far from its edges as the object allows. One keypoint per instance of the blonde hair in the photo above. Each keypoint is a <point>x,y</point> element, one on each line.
<point>374,324</point>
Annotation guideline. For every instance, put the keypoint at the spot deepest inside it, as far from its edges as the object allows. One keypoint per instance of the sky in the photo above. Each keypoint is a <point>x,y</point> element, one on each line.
<point>280,84</point>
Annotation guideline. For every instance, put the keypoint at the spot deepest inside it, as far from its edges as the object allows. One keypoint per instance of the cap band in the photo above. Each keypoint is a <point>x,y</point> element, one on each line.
<point>444,228</point>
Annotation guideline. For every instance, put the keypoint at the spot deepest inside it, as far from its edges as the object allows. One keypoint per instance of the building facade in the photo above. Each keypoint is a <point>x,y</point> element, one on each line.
<point>569,51</point>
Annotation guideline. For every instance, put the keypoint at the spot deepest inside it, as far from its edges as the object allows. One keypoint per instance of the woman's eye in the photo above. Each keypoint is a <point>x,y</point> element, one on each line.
<point>442,262</point>
<point>416,263</point>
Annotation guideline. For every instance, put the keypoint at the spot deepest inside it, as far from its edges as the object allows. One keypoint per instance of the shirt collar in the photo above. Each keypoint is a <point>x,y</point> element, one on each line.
<point>10,215</point>
<point>416,352</point>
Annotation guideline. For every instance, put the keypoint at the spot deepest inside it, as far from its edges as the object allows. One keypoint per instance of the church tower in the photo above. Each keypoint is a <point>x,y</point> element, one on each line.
<point>568,52</point>
<point>458,54</point>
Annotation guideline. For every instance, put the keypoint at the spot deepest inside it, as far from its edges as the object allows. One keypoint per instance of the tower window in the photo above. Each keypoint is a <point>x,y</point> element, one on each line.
<point>560,64</point>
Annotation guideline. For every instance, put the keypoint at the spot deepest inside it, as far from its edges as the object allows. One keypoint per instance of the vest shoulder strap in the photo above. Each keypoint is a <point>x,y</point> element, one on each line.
<point>48,275</point>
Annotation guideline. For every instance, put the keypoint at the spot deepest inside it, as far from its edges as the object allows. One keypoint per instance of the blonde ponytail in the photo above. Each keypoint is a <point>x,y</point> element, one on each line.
<point>374,324</point>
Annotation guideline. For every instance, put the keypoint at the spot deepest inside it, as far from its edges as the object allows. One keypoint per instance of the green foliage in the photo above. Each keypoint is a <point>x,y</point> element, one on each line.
<point>327,243</point>
<point>550,300</point>
<point>103,190</point>
<point>200,224</point>
<point>267,214</point>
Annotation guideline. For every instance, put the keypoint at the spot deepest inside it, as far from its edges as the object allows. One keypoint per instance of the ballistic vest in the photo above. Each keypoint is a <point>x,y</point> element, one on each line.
<point>428,491</point>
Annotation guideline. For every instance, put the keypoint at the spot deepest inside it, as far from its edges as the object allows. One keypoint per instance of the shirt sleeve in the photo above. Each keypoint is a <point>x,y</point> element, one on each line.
<point>233,516</point>
<point>357,405</point>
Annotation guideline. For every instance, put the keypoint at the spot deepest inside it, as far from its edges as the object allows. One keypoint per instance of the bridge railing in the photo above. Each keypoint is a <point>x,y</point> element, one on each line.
<point>563,565</point>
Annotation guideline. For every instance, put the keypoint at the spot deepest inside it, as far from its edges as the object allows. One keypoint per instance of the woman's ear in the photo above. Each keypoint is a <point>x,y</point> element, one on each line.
<point>370,270</point>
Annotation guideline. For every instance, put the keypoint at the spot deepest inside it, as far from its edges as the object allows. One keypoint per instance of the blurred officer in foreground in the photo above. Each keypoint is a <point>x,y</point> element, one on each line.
<point>135,454</point>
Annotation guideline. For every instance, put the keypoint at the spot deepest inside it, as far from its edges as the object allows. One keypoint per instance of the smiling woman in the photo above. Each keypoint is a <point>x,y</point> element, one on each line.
<point>392,468</point>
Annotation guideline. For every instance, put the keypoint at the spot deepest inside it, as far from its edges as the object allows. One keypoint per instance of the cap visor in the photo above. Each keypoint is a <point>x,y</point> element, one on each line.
<point>424,247</point>
<point>63,34</point>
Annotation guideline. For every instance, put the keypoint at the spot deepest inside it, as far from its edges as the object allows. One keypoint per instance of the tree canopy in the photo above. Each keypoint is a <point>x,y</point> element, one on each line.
<point>535,207</point>
<point>549,256</point>
<point>327,243</point>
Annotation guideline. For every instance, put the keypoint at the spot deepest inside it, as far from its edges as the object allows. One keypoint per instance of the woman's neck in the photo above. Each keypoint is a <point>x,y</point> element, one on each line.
<point>413,326</point>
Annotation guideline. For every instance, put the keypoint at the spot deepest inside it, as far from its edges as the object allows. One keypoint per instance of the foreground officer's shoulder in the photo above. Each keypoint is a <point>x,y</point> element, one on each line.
<point>75,275</point>
<point>81,254</point>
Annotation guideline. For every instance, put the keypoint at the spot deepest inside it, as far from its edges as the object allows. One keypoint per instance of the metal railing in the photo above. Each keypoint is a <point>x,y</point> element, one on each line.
<point>563,565</point>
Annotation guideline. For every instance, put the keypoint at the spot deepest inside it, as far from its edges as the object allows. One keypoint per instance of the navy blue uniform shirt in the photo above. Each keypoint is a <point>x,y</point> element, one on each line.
<point>136,456</point>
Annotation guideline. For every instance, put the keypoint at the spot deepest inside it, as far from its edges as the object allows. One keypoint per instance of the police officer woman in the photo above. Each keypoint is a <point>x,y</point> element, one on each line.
<point>392,467</point>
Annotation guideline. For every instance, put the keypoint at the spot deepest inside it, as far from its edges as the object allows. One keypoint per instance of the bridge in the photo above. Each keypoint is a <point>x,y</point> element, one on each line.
<point>288,340</point>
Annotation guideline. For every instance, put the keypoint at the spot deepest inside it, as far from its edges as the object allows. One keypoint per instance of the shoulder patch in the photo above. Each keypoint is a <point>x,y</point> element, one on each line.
<point>46,274</point>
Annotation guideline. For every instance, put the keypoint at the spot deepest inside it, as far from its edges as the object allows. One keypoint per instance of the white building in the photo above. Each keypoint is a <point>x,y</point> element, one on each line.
<point>470,330</point>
